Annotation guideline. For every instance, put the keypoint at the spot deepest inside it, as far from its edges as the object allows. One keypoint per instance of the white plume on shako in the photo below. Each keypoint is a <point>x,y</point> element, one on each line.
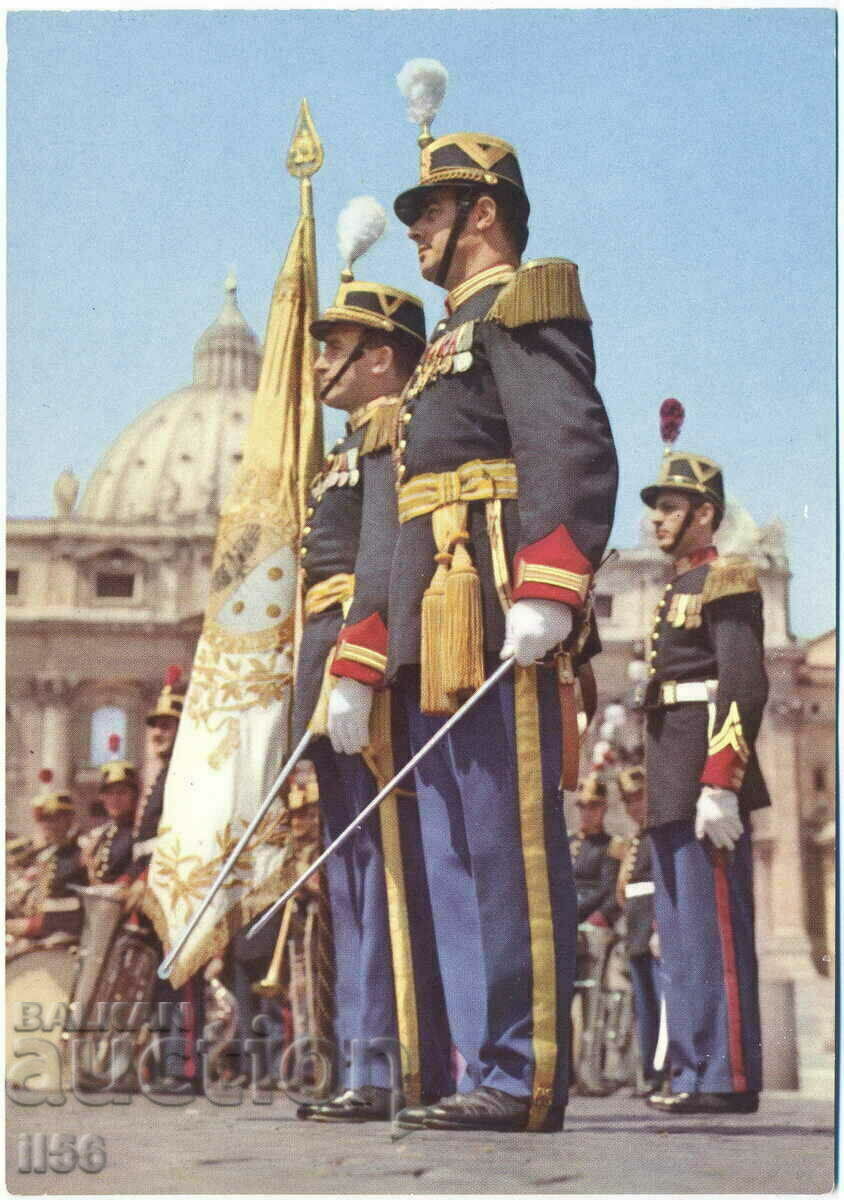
<point>359,226</point>
<point>422,82</point>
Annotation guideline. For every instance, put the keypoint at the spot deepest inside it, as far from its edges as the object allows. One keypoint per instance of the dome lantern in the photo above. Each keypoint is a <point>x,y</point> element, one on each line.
<point>227,355</point>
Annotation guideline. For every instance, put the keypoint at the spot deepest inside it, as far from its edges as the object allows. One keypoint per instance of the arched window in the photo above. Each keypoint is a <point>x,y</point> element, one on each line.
<point>104,722</point>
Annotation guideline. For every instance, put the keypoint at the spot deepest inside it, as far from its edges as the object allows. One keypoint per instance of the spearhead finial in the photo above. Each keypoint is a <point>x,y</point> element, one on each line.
<point>305,156</point>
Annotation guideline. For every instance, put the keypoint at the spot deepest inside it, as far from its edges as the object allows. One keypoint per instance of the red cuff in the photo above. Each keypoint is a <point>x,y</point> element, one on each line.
<point>34,925</point>
<point>598,918</point>
<point>362,652</point>
<point>124,879</point>
<point>552,569</point>
<point>728,754</point>
<point>725,769</point>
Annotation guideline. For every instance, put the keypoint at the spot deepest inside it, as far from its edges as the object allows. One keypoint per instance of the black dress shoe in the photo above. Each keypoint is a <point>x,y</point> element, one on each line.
<point>706,1102</point>
<point>365,1103</point>
<point>490,1109</point>
<point>412,1117</point>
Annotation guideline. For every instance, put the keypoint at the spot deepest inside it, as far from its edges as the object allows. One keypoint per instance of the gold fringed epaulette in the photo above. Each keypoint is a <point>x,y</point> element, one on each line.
<point>730,576</point>
<point>380,426</point>
<point>545,289</point>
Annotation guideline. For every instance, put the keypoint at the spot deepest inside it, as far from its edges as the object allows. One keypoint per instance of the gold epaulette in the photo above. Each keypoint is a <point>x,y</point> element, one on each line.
<point>380,425</point>
<point>729,576</point>
<point>545,289</point>
<point>617,847</point>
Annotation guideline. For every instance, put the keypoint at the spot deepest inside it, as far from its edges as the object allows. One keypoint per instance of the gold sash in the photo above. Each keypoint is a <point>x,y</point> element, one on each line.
<point>452,617</point>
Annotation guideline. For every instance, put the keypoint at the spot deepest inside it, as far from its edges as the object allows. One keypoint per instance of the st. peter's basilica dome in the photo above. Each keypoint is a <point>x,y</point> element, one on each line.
<point>175,462</point>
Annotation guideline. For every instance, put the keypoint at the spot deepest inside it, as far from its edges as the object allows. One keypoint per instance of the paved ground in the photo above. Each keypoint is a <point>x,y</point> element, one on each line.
<point>613,1145</point>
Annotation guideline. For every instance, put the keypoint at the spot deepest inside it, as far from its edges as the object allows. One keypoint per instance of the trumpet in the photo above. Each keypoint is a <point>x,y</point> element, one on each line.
<point>270,985</point>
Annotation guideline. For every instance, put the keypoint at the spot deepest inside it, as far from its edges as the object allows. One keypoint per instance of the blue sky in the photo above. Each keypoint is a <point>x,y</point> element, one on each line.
<point>684,158</point>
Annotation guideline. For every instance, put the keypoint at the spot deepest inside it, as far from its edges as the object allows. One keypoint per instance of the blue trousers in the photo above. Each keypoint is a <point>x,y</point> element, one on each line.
<point>365,996</point>
<point>647,988</point>
<point>507,958</point>
<point>703,904</point>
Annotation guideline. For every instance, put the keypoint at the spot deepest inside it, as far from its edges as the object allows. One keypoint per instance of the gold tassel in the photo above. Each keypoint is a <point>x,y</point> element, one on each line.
<point>463,662</point>
<point>379,428</point>
<point>433,696</point>
<point>546,289</point>
<point>731,576</point>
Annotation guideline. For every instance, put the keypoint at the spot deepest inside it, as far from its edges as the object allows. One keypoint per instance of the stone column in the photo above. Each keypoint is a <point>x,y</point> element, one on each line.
<point>53,694</point>
<point>787,950</point>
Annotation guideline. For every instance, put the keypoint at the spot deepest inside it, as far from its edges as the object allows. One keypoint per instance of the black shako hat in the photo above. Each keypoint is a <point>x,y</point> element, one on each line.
<point>376,306</point>
<point>464,160</point>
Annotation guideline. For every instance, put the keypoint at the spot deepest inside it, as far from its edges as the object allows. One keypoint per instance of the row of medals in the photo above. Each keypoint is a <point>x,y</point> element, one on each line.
<point>450,354</point>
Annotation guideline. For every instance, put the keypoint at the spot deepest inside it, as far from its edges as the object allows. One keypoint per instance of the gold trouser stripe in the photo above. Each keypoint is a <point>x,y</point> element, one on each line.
<point>361,654</point>
<point>380,761</point>
<point>500,569</point>
<point>540,919</point>
<point>337,589</point>
<point>481,479</point>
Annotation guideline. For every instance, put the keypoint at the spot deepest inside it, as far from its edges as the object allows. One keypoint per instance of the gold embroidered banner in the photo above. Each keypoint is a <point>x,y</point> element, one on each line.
<point>234,733</point>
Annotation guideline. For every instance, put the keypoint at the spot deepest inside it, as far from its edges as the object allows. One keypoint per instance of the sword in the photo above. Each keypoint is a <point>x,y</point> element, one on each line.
<point>499,672</point>
<point>167,965</point>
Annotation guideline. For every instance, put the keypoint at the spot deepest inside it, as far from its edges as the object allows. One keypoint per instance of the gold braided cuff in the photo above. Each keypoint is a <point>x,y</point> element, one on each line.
<point>362,655</point>
<point>568,581</point>
<point>338,589</point>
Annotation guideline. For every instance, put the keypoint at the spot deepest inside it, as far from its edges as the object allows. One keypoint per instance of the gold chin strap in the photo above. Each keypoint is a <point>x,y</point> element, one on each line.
<point>452,612</point>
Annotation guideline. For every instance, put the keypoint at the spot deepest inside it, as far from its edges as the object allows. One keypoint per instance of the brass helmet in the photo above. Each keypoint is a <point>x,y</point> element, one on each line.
<point>593,788</point>
<point>631,780</point>
<point>50,803</point>
<point>118,771</point>
<point>681,471</point>
<point>171,698</point>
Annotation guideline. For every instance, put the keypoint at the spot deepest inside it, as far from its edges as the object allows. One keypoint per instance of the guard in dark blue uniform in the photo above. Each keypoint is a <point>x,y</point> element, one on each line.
<point>506,475</point>
<point>705,697</point>
<point>387,982</point>
<point>44,902</point>
<point>108,852</point>
<point>635,896</point>
<point>595,857</point>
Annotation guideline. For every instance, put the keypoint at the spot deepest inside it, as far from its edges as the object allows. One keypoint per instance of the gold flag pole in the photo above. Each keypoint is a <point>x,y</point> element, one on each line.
<point>240,692</point>
<point>304,159</point>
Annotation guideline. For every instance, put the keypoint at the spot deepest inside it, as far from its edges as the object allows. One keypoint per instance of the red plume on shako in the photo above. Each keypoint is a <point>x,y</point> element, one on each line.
<point>172,675</point>
<point>45,775</point>
<point>113,743</point>
<point>671,417</point>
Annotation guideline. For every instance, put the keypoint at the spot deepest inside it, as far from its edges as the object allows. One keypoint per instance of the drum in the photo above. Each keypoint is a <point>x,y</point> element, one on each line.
<point>43,977</point>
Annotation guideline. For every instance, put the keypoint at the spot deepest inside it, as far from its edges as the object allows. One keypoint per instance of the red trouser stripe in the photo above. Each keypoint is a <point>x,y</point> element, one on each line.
<point>731,981</point>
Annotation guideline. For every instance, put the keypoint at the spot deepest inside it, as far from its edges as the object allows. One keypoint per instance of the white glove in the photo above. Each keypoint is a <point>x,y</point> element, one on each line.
<point>533,628</point>
<point>349,706</point>
<point>718,817</point>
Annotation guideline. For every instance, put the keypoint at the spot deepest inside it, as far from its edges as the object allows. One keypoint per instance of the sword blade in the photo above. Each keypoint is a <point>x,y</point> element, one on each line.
<point>499,672</point>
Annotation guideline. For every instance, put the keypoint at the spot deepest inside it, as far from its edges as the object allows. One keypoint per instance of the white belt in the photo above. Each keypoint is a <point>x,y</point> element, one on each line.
<point>646,888</point>
<point>692,689</point>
